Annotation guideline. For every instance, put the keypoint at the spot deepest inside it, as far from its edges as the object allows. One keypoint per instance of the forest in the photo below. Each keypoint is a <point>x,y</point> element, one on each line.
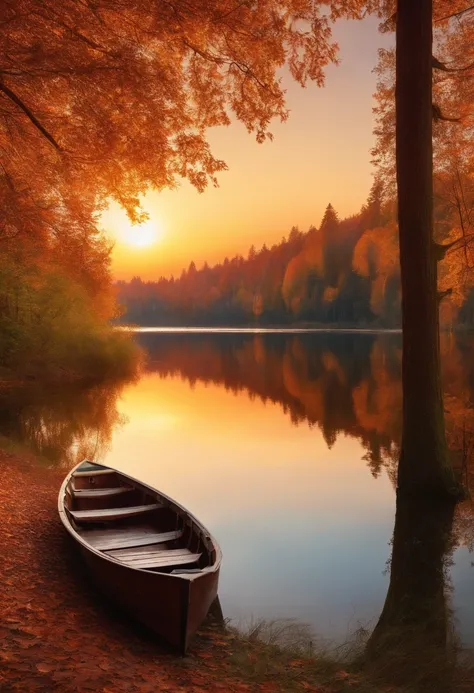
<point>346,272</point>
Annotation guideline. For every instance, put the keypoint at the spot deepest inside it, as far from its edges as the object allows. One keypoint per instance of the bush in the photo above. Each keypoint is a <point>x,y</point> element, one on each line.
<point>50,326</point>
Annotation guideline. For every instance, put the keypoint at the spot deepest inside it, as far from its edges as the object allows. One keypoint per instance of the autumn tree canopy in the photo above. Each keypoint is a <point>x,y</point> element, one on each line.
<point>105,99</point>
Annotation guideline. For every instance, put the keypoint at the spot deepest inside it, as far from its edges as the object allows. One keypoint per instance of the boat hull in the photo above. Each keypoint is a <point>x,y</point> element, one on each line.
<point>172,607</point>
<point>172,604</point>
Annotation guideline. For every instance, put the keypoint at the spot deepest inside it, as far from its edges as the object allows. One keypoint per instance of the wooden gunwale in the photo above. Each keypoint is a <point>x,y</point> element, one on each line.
<point>188,577</point>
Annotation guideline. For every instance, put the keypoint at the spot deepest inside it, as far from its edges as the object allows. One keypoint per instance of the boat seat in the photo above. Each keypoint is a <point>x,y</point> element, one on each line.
<point>129,537</point>
<point>99,492</point>
<point>154,557</point>
<point>112,513</point>
<point>94,472</point>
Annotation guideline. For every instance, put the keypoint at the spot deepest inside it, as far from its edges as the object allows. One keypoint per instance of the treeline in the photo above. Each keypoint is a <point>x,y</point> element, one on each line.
<point>345,272</point>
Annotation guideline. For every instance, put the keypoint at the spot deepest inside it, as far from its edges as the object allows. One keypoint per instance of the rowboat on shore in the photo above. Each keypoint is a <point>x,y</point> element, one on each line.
<point>145,551</point>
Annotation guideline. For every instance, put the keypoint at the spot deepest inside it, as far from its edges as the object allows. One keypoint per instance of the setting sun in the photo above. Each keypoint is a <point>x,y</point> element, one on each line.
<point>141,235</point>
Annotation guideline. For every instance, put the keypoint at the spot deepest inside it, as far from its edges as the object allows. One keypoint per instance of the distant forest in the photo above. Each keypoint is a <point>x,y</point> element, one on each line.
<point>346,272</point>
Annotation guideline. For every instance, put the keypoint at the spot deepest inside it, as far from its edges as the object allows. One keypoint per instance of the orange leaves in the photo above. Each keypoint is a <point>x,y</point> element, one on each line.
<point>138,81</point>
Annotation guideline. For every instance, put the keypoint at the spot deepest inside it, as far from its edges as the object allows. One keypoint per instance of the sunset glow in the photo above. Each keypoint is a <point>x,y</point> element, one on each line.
<point>320,155</point>
<point>141,235</point>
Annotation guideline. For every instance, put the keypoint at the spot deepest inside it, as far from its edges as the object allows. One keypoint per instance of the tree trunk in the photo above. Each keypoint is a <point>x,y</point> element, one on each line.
<point>411,643</point>
<point>424,466</point>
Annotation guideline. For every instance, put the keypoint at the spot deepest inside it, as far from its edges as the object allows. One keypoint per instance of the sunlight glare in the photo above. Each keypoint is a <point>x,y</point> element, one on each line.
<point>142,235</point>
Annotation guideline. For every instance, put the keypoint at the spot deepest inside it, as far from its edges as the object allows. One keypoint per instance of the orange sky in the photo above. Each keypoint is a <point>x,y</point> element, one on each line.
<point>320,155</point>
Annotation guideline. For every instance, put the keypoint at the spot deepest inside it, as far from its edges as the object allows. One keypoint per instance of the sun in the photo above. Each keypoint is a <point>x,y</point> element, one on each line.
<point>141,235</point>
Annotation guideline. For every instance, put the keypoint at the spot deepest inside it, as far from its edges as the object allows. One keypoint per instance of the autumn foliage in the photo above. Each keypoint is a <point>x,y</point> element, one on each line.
<point>86,89</point>
<point>345,272</point>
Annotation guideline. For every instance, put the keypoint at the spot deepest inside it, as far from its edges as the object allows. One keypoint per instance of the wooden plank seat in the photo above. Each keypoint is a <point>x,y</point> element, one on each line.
<point>94,472</point>
<point>129,537</point>
<point>154,557</point>
<point>100,492</point>
<point>105,514</point>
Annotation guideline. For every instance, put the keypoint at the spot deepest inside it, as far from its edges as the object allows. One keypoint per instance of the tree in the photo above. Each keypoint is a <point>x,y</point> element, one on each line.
<point>86,89</point>
<point>376,257</point>
<point>424,464</point>
<point>330,240</point>
<point>405,133</point>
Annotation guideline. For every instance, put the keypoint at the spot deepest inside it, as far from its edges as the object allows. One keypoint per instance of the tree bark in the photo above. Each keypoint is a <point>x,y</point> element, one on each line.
<point>424,465</point>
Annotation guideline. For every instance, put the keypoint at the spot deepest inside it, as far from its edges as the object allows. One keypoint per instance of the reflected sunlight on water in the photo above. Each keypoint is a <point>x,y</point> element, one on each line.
<point>293,518</point>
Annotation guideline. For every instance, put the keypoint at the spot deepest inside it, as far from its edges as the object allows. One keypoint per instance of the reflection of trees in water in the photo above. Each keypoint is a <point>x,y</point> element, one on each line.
<point>315,378</point>
<point>62,424</point>
<point>350,385</point>
<point>343,383</point>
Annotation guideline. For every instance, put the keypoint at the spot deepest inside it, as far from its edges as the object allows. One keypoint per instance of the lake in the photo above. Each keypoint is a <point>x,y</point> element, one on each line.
<point>285,445</point>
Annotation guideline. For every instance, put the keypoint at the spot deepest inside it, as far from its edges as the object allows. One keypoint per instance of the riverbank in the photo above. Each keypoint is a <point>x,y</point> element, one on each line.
<point>57,634</point>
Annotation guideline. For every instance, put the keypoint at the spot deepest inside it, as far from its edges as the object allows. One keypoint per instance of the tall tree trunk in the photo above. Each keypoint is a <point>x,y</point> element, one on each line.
<point>424,466</point>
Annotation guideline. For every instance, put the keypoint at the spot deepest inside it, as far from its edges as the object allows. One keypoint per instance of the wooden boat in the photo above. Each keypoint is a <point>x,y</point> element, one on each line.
<point>144,550</point>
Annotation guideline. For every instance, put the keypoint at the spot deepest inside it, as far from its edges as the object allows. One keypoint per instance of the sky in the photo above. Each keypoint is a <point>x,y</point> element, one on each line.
<point>320,155</point>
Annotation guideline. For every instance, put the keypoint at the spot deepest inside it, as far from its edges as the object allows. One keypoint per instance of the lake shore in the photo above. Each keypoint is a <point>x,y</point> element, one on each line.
<point>57,634</point>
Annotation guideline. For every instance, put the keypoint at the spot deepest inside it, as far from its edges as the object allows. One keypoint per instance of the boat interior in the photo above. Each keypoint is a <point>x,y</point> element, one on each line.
<point>133,524</point>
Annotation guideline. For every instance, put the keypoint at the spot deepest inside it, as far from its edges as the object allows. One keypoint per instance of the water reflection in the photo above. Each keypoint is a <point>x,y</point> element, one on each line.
<point>267,438</point>
<point>61,425</point>
<point>345,384</point>
<point>344,388</point>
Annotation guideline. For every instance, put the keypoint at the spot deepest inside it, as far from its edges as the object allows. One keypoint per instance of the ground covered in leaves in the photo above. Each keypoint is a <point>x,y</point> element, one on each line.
<point>57,634</point>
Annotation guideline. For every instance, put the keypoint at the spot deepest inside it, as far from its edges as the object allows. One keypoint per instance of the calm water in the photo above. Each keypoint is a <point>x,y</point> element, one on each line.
<point>284,445</point>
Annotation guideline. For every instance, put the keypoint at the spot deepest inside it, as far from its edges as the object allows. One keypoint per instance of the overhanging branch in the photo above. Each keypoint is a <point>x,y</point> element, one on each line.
<point>16,99</point>
<point>456,14</point>
<point>440,249</point>
<point>443,294</point>
<point>438,65</point>
<point>438,115</point>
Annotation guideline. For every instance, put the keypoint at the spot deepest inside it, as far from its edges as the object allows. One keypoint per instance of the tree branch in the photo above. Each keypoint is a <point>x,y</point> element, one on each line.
<point>440,250</point>
<point>455,14</point>
<point>438,115</point>
<point>438,65</point>
<point>443,294</point>
<point>13,97</point>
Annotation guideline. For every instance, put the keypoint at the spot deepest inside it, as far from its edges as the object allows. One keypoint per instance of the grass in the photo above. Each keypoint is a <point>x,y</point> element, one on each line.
<point>287,652</point>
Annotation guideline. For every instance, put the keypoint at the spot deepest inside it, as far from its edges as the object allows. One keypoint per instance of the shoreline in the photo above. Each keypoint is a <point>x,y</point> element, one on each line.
<point>272,329</point>
<point>58,633</point>
<point>49,610</point>
<point>255,330</point>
